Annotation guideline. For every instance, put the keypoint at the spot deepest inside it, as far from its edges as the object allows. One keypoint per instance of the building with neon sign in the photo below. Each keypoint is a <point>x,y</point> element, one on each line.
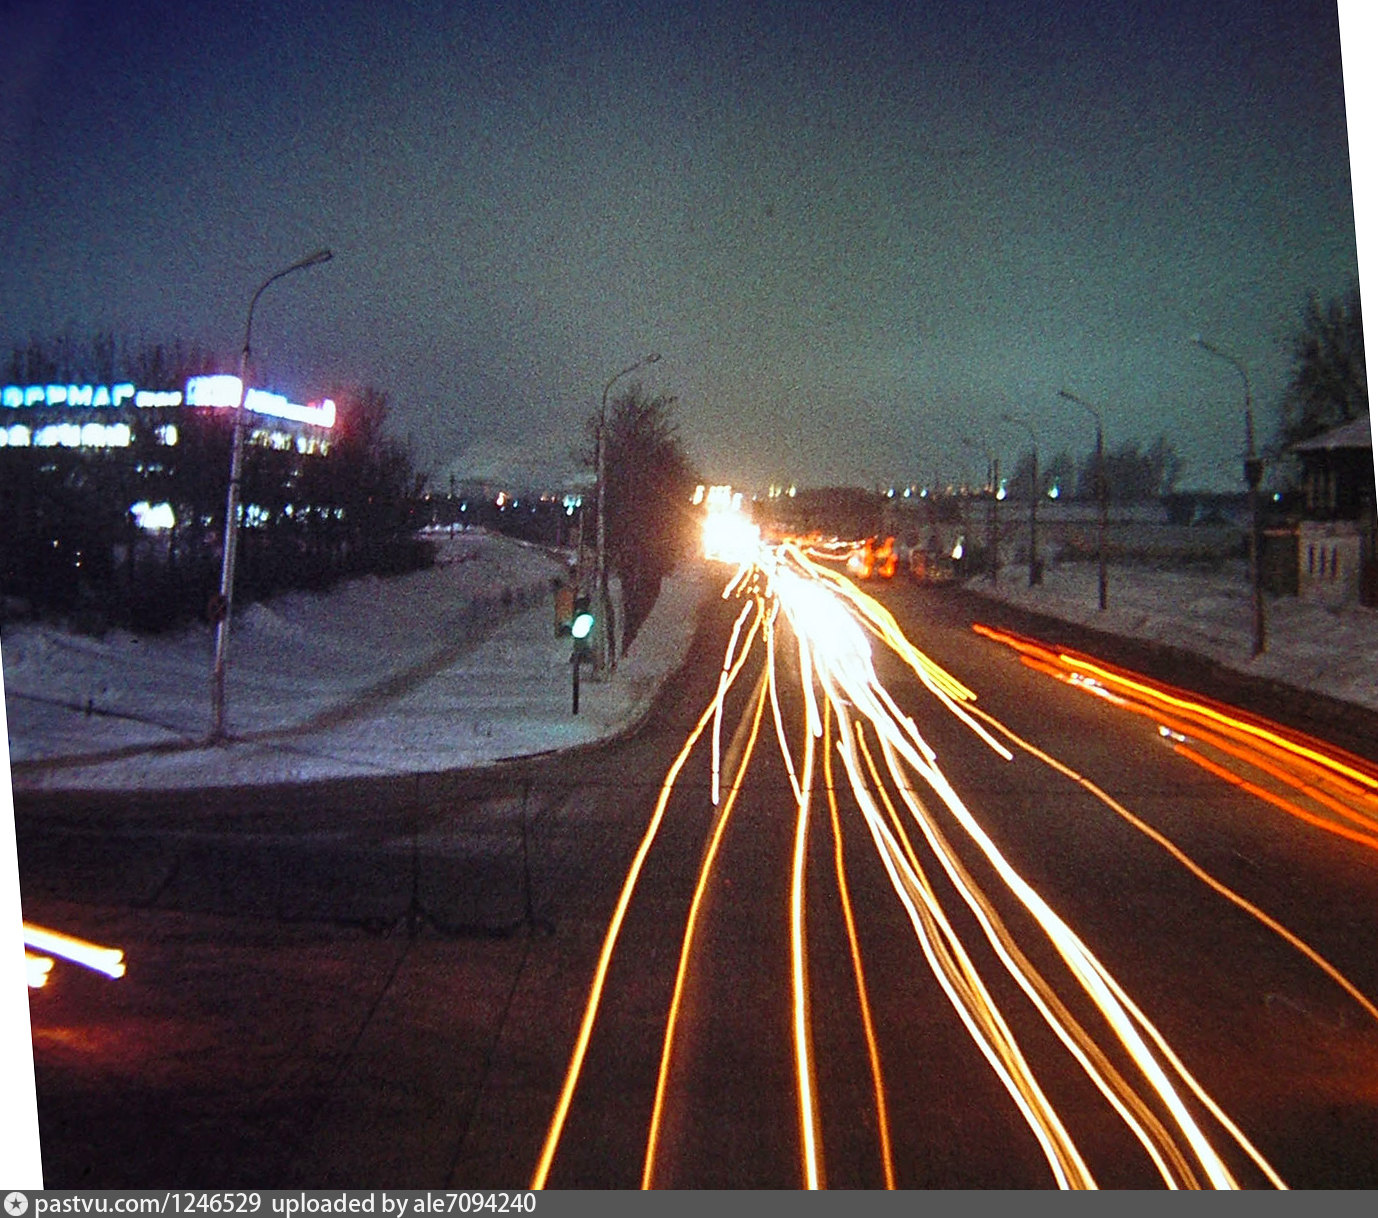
<point>113,490</point>
<point>97,416</point>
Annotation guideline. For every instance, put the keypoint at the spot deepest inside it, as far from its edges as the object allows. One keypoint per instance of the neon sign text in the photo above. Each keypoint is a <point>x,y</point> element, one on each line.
<point>15,396</point>
<point>222,391</point>
<point>218,391</point>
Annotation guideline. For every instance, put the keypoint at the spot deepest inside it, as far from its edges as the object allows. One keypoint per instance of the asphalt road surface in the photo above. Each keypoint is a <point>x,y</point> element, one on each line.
<point>1049,935</point>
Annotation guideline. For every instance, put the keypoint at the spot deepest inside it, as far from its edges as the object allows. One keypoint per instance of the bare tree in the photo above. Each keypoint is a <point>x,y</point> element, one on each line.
<point>650,481</point>
<point>1329,382</point>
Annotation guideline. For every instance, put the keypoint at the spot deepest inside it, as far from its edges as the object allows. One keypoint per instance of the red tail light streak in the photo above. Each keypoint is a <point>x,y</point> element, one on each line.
<point>1339,790</point>
<point>814,630</point>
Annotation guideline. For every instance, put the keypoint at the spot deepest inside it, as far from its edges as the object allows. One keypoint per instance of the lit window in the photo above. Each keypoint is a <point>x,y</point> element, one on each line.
<point>153,517</point>
<point>58,435</point>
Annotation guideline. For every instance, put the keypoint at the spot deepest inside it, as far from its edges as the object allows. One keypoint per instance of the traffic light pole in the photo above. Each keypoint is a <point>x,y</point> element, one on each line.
<point>581,630</point>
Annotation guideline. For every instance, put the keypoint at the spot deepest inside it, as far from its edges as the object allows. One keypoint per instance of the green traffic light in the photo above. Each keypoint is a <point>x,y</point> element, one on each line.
<point>582,625</point>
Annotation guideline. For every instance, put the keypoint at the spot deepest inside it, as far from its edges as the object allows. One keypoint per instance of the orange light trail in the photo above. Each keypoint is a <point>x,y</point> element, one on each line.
<point>854,946</point>
<point>624,899</point>
<point>107,960</point>
<point>1193,867</point>
<point>898,787</point>
<point>1292,757</point>
<point>686,947</point>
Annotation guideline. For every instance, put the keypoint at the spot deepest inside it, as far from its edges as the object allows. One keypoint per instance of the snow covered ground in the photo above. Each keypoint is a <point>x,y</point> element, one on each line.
<point>460,665</point>
<point>455,666</point>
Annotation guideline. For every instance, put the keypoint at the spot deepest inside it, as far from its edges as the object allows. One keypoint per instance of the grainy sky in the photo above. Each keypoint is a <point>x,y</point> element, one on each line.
<point>857,233</point>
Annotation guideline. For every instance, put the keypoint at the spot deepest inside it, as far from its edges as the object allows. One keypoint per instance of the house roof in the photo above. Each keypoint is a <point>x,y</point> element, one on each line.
<point>1357,433</point>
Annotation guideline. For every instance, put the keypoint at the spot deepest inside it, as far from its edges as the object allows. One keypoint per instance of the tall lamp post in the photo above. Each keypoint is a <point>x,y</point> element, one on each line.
<point>1102,490</point>
<point>1253,475</point>
<point>604,657</point>
<point>1035,572</point>
<point>993,516</point>
<point>225,601</point>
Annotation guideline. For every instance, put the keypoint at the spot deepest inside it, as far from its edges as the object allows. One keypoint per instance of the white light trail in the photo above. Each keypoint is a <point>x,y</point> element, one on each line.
<point>833,627</point>
<point>107,960</point>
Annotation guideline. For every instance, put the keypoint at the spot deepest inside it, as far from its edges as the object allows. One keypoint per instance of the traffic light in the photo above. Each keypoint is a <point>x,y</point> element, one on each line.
<point>581,627</point>
<point>581,630</point>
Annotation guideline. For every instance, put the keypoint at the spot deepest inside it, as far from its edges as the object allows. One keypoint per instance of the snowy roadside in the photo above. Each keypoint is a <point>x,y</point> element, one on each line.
<point>456,666</point>
<point>460,666</point>
<point>1332,651</point>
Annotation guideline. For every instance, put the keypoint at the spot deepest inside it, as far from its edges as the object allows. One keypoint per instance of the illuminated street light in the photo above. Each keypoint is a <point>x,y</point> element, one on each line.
<point>225,600</point>
<point>1253,475</point>
<point>1035,574</point>
<point>1102,490</point>
<point>603,656</point>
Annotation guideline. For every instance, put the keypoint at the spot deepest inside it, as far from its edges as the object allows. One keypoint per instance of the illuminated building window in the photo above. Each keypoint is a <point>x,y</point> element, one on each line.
<point>105,435</point>
<point>153,517</point>
<point>58,435</point>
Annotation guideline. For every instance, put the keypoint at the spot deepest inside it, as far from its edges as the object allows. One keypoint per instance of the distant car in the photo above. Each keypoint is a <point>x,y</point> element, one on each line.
<point>874,558</point>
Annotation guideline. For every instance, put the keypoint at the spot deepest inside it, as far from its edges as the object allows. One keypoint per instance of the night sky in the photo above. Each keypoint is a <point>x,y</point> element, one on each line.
<point>855,232</point>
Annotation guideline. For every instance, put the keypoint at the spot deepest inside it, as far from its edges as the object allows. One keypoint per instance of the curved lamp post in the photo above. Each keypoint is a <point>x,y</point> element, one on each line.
<point>1253,475</point>
<point>225,601</point>
<point>604,657</point>
<point>1035,575</point>
<point>1101,489</point>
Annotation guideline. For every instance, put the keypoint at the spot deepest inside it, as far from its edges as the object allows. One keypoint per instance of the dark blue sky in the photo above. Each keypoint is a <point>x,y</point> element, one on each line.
<point>856,232</point>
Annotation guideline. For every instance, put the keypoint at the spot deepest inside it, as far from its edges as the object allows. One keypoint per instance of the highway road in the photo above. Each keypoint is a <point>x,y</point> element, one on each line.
<point>874,899</point>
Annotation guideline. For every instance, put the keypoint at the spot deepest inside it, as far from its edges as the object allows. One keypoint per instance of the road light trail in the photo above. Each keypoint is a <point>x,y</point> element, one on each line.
<point>957,976</point>
<point>849,671</point>
<point>833,647</point>
<point>802,785</point>
<point>686,947</point>
<point>1030,647</point>
<point>1084,966</point>
<point>733,667</point>
<point>832,627</point>
<point>1136,1114</point>
<point>107,960</point>
<point>1344,784</point>
<point>1191,865</point>
<point>887,1157</point>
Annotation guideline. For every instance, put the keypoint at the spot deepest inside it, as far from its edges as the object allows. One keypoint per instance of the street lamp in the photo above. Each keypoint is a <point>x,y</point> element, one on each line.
<point>603,656</point>
<point>1102,490</point>
<point>225,601</point>
<point>993,516</point>
<point>1035,574</point>
<point>1253,475</point>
